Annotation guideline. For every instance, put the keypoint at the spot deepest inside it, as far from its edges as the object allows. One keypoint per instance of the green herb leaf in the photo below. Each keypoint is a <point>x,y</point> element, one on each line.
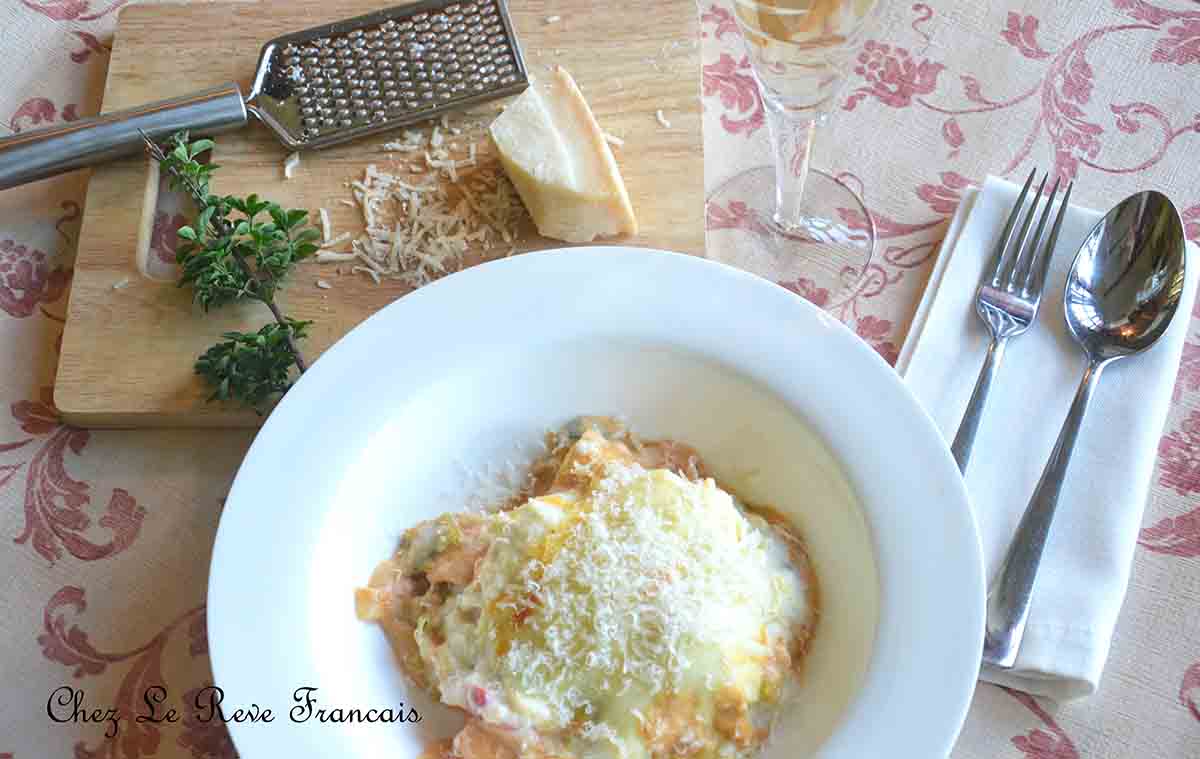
<point>199,146</point>
<point>229,254</point>
<point>253,368</point>
<point>294,217</point>
<point>204,220</point>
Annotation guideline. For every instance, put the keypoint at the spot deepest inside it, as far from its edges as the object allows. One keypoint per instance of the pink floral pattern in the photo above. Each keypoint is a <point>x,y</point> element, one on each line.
<point>71,647</point>
<point>40,111</point>
<point>886,226</point>
<point>1179,453</point>
<point>733,82</point>
<point>1174,536</point>
<point>27,279</point>
<point>1141,10</point>
<point>72,10</point>
<point>1181,45</point>
<point>163,236</point>
<point>1049,743</point>
<point>720,19</point>
<point>923,13</point>
<point>876,331</point>
<point>807,289</point>
<point>55,503</point>
<point>1021,33</point>
<point>893,77</point>
<point>1189,690</point>
<point>1191,223</point>
<point>944,198</point>
<point>1188,379</point>
<point>897,78</point>
<point>736,215</point>
<point>1179,470</point>
<point>204,739</point>
<point>91,44</point>
<point>953,135</point>
<point>31,113</point>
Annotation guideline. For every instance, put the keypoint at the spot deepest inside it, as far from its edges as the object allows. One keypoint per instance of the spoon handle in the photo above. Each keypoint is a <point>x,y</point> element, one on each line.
<point>1009,597</point>
<point>964,439</point>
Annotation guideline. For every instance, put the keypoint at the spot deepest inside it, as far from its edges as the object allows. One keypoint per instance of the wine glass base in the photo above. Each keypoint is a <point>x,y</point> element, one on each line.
<point>821,257</point>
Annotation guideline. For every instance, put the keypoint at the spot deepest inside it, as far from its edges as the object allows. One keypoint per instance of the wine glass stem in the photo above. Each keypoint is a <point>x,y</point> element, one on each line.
<point>792,133</point>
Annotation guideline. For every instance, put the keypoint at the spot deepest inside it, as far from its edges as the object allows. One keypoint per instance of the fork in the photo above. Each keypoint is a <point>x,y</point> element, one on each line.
<point>1008,297</point>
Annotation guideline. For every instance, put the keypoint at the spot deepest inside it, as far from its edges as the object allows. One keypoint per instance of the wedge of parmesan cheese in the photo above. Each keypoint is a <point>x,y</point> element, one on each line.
<point>556,156</point>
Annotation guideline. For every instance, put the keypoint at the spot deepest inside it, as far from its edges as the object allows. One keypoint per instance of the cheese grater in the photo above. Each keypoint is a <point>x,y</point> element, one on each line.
<point>314,88</point>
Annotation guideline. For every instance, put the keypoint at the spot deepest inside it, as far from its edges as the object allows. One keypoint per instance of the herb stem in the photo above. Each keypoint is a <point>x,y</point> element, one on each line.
<point>221,227</point>
<point>296,355</point>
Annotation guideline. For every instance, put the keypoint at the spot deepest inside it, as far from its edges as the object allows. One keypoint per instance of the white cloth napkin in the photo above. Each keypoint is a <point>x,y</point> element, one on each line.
<point>1085,569</point>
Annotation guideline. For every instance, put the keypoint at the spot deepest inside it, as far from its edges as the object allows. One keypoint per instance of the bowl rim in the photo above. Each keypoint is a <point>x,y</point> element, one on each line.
<point>921,678</point>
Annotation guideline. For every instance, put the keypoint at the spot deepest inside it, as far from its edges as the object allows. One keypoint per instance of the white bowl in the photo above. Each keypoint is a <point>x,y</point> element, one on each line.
<point>417,410</point>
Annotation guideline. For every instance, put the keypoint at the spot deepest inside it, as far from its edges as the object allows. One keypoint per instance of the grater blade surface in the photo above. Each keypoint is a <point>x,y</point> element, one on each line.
<point>396,66</point>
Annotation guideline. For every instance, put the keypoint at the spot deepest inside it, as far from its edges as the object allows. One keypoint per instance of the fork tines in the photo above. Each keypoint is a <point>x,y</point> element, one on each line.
<point>1019,263</point>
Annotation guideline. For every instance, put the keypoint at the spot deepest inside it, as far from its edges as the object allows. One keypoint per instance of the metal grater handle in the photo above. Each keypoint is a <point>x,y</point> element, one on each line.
<point>29,156</point>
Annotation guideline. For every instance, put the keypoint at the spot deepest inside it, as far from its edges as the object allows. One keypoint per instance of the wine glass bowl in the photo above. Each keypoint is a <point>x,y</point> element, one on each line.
<point>800,49</point>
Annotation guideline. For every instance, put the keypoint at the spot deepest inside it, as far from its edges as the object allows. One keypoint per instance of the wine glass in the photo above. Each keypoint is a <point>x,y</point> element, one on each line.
<point>793,223</point>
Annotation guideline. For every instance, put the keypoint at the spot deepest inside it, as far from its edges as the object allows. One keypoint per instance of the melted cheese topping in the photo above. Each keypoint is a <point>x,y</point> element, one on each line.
<point>591,607</point>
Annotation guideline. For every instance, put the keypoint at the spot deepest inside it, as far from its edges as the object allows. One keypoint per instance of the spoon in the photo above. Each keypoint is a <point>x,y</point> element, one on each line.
<point>1123,289</point>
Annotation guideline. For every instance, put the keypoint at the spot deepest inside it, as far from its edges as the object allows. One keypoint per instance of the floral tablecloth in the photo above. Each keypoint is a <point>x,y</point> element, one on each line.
<point>107,535</point>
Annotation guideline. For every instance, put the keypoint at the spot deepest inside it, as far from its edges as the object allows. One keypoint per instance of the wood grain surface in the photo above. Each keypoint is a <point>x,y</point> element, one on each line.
<point>130,340</point>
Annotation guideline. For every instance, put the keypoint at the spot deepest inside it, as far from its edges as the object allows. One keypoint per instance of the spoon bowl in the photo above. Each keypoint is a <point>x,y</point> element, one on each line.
<point>1127,278</point>
<point>1122,291</point>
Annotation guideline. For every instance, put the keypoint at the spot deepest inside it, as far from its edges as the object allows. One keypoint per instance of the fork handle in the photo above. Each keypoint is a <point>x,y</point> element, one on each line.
<point>29,156</point>
<point>1010,595</point>
<point>964,440</point>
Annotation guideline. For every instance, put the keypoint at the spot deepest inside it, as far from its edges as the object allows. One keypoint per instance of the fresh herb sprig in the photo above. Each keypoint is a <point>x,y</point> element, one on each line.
<point>253,367</point>
<point>238,248</point>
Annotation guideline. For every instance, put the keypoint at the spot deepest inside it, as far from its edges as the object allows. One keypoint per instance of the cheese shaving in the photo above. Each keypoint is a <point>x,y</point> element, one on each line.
<point>325,226</point>
<point>369,272</point>
<point>329,257</point>
<point>417,231</point>
<point>289,165</point>
<point>614,140</point>
<point>343,237</point>
<point>662,119</point>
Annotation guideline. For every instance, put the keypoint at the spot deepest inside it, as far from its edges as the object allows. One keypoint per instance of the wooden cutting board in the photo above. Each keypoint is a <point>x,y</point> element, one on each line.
<point>131,340</point>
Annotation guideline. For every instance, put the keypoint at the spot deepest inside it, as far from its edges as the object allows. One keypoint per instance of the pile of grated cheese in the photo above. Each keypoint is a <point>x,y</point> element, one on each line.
<point>421,220</point>
<point>655,582</point>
